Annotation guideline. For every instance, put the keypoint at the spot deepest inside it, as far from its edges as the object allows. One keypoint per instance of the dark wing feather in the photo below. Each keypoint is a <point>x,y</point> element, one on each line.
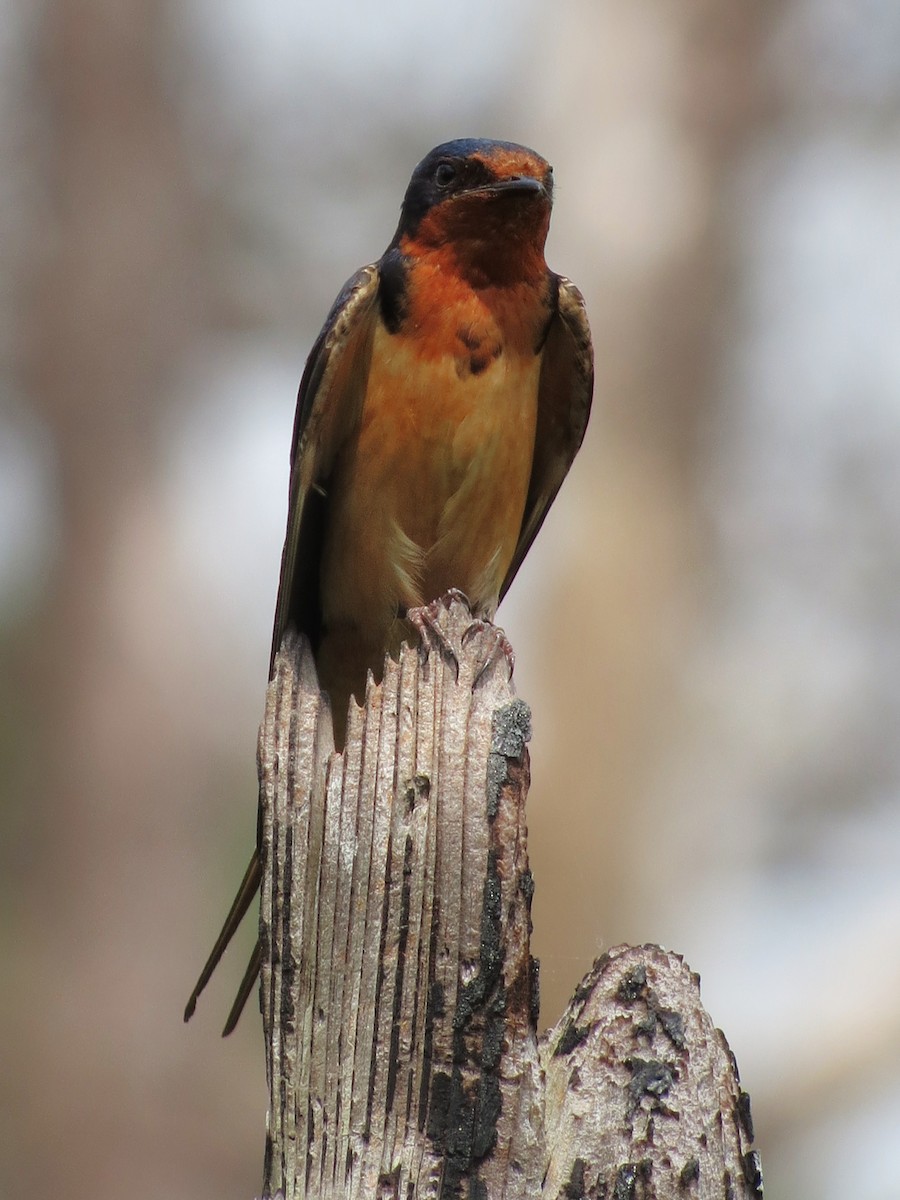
<point>328,406</point>
<point>564,405</point>
<point>329,403</point>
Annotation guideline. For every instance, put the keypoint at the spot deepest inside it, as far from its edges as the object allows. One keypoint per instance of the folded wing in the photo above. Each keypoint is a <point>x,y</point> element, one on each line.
<point>564,405</point>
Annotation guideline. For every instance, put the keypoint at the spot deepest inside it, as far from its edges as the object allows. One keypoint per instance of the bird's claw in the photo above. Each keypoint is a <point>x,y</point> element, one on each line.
<point>425,622</point>
<point>499,644</point>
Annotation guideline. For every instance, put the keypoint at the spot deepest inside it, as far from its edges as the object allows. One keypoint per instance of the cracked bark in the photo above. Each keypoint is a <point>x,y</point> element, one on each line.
<point>399,995</point>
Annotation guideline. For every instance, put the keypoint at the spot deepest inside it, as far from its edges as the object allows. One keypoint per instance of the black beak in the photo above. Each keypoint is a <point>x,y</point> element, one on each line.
<point>518,183</point>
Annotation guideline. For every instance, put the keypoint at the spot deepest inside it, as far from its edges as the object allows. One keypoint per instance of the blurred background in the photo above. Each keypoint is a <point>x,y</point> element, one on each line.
<point>708,629</point>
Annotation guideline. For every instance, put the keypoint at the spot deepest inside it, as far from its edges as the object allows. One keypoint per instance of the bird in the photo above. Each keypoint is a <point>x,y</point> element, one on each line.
<point>438,413</point>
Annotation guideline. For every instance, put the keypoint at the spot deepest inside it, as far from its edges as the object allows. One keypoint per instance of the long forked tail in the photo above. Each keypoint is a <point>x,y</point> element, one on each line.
<point>250,977</point>
<point>242,901</point>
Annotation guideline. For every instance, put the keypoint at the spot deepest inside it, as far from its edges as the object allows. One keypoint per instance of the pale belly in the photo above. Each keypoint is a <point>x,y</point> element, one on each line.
<point>429,496</point>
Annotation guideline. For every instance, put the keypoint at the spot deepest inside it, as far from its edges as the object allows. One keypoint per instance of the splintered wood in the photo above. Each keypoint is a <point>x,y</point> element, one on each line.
<point>399,996</point>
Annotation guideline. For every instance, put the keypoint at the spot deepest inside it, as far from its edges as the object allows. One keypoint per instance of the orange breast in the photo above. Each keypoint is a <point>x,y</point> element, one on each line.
<point>431,492</point>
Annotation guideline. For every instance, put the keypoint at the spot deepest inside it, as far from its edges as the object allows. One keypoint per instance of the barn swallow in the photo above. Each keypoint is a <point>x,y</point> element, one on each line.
<point>440,408</point>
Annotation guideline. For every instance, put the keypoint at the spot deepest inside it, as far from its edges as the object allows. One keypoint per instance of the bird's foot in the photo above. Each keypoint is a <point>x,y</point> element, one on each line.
<point>426,622</point>
<point>496,644</point>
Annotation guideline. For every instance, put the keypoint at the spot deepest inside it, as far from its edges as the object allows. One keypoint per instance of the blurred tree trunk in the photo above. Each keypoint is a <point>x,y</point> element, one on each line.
<point>678,93</point>
<point>119,297</point>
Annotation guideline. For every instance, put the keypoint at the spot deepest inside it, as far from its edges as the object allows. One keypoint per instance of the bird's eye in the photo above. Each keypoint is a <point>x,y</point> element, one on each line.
<point>444,174</point>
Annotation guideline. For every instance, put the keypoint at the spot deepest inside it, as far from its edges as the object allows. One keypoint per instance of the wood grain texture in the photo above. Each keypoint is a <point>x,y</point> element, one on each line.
<point>399,995</point>
<point>397,984</point>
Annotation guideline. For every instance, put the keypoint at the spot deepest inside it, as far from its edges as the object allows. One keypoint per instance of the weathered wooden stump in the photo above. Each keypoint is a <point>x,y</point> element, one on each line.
<point>399,996</point>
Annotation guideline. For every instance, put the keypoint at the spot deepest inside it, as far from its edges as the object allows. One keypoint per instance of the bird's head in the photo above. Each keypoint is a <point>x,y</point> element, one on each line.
<point>483,200</point>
